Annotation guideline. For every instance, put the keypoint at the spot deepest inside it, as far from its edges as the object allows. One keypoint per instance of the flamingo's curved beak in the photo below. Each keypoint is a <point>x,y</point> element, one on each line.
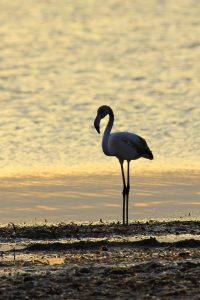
<point>97,123</point>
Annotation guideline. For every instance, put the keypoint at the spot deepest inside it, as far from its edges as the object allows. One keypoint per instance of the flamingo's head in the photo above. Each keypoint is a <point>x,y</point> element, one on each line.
<point>102,111</point>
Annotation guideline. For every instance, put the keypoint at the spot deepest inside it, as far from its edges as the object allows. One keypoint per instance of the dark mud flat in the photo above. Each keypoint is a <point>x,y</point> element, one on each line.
<point>104,261</point>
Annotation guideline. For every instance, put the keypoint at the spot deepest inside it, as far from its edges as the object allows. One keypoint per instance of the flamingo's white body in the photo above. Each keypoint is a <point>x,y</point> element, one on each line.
<point>125,146</point>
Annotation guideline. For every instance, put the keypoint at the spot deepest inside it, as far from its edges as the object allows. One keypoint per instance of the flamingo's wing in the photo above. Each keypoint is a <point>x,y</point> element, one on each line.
<point>137,142</point>
<point>131,145</point>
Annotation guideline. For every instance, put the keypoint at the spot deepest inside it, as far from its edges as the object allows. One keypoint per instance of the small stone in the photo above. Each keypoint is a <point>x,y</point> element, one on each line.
<point>184,254</point>
<point>85,270</point>
<point>104,248</point>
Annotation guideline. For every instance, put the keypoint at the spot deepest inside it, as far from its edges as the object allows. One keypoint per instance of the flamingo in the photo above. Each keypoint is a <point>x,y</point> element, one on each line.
<point>123,145</point>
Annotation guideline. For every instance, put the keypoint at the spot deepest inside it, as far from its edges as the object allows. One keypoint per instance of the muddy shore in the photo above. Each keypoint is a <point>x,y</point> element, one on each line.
<point>145,260</point>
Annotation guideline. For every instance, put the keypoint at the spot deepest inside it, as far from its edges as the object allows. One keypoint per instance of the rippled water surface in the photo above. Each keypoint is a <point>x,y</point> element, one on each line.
<point>60,60</point>
<point>91,198</point>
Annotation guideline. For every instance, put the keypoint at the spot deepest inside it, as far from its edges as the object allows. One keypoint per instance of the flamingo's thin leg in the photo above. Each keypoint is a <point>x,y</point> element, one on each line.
<point>124,190</point>
<point>127,190</point>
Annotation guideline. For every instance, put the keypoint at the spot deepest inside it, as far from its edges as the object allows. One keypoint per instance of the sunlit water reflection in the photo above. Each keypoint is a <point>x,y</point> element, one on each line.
<point>65,198</point>
<point>59,62</point>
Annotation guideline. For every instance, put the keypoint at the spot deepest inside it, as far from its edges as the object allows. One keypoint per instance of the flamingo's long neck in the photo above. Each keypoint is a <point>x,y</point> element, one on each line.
<point>106,135</point>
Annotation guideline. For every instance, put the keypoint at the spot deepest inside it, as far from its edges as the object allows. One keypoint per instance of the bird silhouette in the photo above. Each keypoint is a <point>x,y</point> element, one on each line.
<point>125,146</point>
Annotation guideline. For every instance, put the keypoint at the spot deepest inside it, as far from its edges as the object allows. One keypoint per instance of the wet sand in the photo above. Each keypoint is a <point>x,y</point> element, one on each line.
<point>145,260</point>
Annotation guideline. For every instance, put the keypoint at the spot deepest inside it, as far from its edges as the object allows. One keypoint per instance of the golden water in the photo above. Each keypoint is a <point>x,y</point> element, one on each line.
<point>60,60</point>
